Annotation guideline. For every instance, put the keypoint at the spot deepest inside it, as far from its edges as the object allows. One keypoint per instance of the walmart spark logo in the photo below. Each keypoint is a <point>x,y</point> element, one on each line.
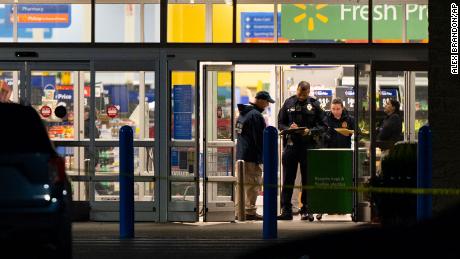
<point>315,13</point>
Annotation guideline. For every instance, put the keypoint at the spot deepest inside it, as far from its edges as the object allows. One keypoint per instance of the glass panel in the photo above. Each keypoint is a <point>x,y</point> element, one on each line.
<point>324,23</point>
<point>74,160</point>
<point>117,103</point>
<point>219,100</point>
<point>110,191</point>
<point>53,98</point>
<point>149,132</point>
<point>364,150</point>
<point>220,191</point>
<point>199,22</point>
<point>127,18</point>
<point>248,81</point>
<point>255,23</point>
<point>80,191</point>
<point>421,100</point>
<point>364,119</point>
<point>108,161</point>
<point>183,105</point>
<point>400,23</point>
<point>183,161</point>
<point>389,86</point>
<point>9,86</point>
<point>47,23</point>
<point>183,191</point>
<point>219,161</point>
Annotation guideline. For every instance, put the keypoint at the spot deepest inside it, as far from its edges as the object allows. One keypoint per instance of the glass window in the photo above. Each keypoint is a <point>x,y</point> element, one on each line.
<point>52,95</point>
<point>183,105</point>
<point>183,191</point>
<point>183,161</point>
<point>127,18</point>
<point>107,161</point>
<point>421,100</point>
<point>254,23</point>
<point>200,22</point>
<point>41,21</point>
<point>324,23</point>
<point>110,191</point>
<point>9,86</point>
<point>400,23</point>
<point>117,97</point>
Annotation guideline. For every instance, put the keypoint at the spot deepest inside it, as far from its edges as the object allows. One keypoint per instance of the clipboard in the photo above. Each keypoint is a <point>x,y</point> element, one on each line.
<point>298,130</point>
<point>345,132</point>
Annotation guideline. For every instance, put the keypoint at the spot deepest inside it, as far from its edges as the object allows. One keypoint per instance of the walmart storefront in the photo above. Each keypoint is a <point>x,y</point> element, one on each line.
<point>164,67</point>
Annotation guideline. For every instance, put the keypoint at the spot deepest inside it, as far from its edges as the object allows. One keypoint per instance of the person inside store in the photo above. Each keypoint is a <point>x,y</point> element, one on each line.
<point>390,130</point>
<point>249,130</point>
<point>340,126</point>
<point>301,121</point>
<point>88,124</point>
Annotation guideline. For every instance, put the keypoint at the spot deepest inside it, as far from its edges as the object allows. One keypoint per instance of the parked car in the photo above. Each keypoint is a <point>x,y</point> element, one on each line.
<point>35,194</point>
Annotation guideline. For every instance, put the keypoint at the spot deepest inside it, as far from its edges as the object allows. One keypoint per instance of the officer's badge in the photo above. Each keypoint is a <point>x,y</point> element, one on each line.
<point>309,107</point>
<point>344,124</point>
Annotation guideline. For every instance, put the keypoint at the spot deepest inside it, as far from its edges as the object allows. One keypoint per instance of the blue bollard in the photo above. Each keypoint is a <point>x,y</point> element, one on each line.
<point>424,173</point>
<point>126,183</point>
<point>270,226</point>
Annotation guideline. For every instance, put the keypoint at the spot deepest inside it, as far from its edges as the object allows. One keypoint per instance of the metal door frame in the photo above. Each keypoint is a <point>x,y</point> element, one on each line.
<point>109,210</point>
<point>180,211</point>
<point>377,65</point>
<point>225,210</point>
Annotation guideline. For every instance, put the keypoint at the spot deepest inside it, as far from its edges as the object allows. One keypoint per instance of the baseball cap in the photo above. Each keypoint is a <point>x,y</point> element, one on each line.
<point>264,95</point>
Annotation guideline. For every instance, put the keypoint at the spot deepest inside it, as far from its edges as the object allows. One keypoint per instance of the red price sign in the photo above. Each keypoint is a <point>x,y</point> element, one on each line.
<point>112,111</point>
<point>45,111</point>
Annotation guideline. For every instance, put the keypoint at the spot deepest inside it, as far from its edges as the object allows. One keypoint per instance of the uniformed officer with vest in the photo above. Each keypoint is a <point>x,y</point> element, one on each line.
<point>301,121</point>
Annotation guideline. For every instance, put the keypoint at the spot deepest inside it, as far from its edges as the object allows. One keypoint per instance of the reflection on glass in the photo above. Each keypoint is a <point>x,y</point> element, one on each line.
<point>110,191</point>
<point>183,191</point>
<point>219,161</point>
<point>183,105</point>
<point>50,90</point>
<point>183,161</point>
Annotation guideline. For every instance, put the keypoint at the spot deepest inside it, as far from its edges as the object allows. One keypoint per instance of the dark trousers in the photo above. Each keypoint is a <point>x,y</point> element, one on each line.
<point>292,156</point>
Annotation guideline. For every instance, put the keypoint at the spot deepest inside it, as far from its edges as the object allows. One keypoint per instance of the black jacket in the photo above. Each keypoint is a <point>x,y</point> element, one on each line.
<point>333,139</point>
<point>391,129</point>
<point>249,130</point>
<point>307,113</point>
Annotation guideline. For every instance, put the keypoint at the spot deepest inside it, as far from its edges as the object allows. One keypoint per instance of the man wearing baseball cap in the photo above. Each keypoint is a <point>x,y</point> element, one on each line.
<point>249,131</point>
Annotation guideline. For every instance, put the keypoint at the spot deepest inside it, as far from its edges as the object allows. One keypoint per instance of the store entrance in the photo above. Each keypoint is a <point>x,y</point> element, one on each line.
<point>73,103</point>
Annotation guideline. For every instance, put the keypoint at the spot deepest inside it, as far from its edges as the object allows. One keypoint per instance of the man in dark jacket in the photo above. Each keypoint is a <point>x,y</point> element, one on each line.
<point>305,112</point>
<point>338,118</point>
<point>391,130</point>
<point>249,130</point>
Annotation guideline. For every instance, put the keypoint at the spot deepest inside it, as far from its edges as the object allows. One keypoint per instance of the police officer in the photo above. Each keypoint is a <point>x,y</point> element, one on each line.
<point>299,110</point>
<point>249,130</point>
<point>338,118</point>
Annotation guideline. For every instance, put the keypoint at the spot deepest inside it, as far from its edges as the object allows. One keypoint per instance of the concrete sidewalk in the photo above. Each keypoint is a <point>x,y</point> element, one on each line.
<point>213,230</point>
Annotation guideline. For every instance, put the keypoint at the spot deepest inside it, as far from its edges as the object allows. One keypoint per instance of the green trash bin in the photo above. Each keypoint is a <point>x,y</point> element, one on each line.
<point>330,168</point>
